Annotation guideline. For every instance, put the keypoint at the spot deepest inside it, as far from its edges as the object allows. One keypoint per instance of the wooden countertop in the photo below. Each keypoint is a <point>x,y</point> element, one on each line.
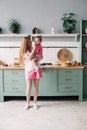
<point>45,67</point>
<point>61,67</point>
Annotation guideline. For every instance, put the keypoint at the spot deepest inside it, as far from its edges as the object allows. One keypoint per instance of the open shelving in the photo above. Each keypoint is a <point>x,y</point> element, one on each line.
<point>75,36</point>
<point>83,39</point>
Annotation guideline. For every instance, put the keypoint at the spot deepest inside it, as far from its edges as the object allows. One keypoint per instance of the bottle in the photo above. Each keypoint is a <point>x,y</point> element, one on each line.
<point>52,30</point>
<point>86,30</point>
<point>86,45</point>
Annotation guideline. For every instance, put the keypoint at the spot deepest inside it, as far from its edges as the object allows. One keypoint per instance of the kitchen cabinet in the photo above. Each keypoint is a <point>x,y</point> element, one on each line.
<point>14,82</point>
<point>48,83</point>
<point>55,82</point>
<point>70,82</point>
<point>85,83</point>
<point>1,86</point>
<point>83,39</point>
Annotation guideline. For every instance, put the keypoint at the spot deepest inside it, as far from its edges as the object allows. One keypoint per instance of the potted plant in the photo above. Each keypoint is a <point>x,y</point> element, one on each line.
<point>14,26</point>
<point>69,23</point>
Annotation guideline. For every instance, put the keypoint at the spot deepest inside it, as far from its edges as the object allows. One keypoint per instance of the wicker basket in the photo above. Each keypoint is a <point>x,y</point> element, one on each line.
<point>64,54</point>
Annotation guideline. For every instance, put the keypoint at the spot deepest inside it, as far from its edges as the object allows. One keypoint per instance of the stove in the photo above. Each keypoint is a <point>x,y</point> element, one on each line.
<point>44,64</point>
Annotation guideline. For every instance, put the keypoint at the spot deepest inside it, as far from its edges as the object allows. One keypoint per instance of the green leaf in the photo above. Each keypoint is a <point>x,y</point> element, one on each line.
<point>71,14</point>
<point>63,18</point>
<point>65,14</point>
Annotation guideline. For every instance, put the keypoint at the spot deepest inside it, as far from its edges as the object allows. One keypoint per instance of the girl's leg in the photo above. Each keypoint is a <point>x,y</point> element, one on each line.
<point>36,88</point>
<point>28,92</point>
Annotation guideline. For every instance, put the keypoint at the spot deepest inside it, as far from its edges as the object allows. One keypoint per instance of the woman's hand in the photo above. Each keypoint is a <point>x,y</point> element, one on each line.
<point>35,49</point>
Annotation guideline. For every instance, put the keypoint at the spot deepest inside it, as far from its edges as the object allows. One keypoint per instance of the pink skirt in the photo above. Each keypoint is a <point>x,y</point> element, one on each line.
<point>33,74</point>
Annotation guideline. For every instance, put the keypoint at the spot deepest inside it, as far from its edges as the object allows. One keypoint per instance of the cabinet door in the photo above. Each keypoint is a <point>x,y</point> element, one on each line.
<point>48,83</point>
<point>0,81</point>
<point>1,86</point>
<point>68,72</point>
<point>14,81</point>
<point>85,86</point>
<point>68,87</point>
<point>85,83</point>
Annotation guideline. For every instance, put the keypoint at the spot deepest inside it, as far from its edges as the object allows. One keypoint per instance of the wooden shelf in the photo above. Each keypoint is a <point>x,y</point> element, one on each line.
<point>63,35</point>
<point>44,35</point>
<point>56,35</point>
<point>84,35</point>
<point>84,49</point>
<point>12,35</point>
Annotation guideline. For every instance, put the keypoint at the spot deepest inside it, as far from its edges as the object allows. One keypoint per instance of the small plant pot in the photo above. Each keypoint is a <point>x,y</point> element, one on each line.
<point>14,26</point>
<point>69,31</point>
<point>14,31</point>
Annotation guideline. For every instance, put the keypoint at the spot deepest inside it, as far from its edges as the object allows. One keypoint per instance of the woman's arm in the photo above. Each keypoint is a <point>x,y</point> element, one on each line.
<point>31,55</point>
<point>39,58</point>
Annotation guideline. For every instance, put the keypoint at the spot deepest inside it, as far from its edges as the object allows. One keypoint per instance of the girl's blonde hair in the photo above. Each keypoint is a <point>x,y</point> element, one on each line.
<point>26,45</point>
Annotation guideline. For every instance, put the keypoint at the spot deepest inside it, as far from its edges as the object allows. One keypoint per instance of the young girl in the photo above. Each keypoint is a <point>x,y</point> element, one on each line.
<point>26,55</point>
<point>39,52</point>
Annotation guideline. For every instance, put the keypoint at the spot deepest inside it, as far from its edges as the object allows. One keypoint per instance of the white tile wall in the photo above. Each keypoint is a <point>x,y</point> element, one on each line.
<point>49,54</point>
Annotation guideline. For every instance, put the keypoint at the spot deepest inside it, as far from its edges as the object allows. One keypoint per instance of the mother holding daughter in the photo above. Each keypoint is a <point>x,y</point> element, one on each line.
<point>29,57</point>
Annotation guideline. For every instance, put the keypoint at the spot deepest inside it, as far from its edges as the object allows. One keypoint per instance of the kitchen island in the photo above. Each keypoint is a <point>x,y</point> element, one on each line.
<point>56,81</point>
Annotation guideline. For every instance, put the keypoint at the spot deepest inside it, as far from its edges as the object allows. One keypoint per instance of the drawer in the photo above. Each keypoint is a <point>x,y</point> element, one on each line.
<point>14,80</point>
<point>74,72</point>
<point>68,87</point>
<point>68,79</point>
<point>14,88</point>
<point>15,73</point>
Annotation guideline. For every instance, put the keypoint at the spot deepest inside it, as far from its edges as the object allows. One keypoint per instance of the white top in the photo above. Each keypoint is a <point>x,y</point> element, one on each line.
<point>28,63</point>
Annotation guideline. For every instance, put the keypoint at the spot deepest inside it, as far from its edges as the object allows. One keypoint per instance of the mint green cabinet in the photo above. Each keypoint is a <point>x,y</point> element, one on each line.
<point>14,82</point>
<point>48,83</point>
<point>1,85</point>
<point>70,82</point>
<point>83,39</point>
<point>55,82</point>
<point>85,83</point>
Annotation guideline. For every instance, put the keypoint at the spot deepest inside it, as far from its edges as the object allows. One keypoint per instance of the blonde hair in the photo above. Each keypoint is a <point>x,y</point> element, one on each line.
<point>26,45</point>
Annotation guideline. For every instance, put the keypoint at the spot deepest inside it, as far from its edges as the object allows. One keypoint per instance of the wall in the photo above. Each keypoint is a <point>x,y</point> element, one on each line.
<point>41,13</point>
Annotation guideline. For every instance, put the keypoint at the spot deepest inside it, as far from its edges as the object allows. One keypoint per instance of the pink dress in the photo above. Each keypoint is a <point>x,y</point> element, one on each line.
<point>39,50</point>
<point>30,68</point>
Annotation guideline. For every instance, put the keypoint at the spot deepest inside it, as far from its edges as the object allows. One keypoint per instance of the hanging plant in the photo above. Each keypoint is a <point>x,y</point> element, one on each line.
<point>69,23</point>
<point>14,26</point>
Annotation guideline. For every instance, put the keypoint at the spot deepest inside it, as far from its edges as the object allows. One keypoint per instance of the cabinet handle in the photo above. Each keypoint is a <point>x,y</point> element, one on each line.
<point>14,72</point>
<point>68,79</point>
<point>68,87</point>
<point>15,88</point>
<point>68,71</point>
<point>14,80</point>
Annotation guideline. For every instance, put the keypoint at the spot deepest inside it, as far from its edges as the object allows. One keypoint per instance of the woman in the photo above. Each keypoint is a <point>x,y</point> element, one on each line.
<point>27,58</point>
